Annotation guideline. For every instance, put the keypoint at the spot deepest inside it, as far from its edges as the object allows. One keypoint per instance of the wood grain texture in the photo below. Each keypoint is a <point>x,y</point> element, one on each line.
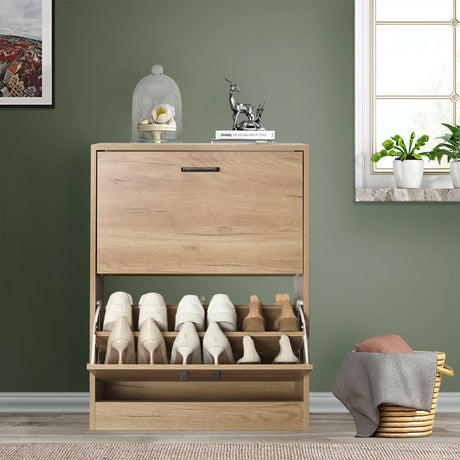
<point>324,428</point>
<point>235,372</point>
<point>199,147</point>
<point>306,240</point>
<point>198,416</point>
<point>306,278</point>
<point>92,284</point>
<point>250,218</point>
<point>306,400</point>
<point>92,257</point>
<point>225,390</point>
<point>154,219</point>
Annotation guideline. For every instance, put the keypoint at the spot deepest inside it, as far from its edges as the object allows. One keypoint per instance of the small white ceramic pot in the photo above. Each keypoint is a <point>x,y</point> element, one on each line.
<point>408,173</point>
<point>455,173</point>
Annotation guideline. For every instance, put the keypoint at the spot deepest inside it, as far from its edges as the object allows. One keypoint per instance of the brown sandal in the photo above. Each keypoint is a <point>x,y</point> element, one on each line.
<point>254,320</point>
<point>287,320</point>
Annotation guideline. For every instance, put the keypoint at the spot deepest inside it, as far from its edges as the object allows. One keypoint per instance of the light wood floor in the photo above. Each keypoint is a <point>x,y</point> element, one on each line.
<point>323,428</point>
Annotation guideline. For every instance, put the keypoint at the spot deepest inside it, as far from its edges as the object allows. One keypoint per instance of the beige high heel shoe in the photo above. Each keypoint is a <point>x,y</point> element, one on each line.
<point>191,309</point>
<point>120,346</point>
<point>250,355</point>
<point>286,355</point>
<point>119,304</point>
<point>222,311</point>
<point>186,348</point>
<point>152,305</point>
<point>216,347</point>
<point>286,321</point>
<point>151,348</point>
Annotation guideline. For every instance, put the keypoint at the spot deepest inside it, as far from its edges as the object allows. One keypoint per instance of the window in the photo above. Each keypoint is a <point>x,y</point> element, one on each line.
<point>407,78</point>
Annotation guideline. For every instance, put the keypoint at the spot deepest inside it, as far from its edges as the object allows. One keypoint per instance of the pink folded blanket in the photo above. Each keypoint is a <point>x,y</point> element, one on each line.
<point>384,344</point>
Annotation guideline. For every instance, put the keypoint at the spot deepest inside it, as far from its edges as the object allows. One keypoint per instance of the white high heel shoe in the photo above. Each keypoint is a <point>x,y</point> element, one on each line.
<point>250,355</point>
<point>186,348</point>
<point>120,346</point>
<point>152,305</point>
<point>190,309</point>
<point>216,347</point>
<point>151,348</point>
<point>119,304</point>
<point>222,311</point>
<point>286,355</point>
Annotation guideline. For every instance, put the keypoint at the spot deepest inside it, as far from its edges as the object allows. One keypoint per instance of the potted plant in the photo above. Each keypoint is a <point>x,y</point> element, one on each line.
<point>407,164</point>
<point>451,148</point>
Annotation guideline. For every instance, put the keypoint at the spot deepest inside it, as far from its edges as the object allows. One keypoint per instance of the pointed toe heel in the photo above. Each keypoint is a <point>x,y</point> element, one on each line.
<point>218,355</point>
<point>216,346</point>
<point>186,348</point>
<point>119,347</point>
<point>184,355</point>
<point>151,347</point>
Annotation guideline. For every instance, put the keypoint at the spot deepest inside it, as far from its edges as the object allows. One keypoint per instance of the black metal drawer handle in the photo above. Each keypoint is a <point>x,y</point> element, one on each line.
<point>200,169</point>
<point>184,376</point>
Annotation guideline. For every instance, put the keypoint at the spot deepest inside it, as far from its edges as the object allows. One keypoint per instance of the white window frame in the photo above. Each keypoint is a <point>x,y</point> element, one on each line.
<point>364,178</point>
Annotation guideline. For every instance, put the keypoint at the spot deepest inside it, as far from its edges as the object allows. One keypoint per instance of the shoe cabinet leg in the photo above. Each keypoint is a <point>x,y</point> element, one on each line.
<point>96,293</point>
<point>306,401</point>
<point>92,402</point>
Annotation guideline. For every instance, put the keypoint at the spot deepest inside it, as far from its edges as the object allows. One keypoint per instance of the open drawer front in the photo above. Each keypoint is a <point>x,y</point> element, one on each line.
<point>204,397</point>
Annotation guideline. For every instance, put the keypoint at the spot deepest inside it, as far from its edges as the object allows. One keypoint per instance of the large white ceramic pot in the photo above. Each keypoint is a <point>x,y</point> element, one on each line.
<point>408,173</point>
<point>455,173</point>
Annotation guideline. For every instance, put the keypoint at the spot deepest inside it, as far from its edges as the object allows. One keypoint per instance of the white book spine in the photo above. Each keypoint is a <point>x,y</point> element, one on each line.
<point>230,134</point>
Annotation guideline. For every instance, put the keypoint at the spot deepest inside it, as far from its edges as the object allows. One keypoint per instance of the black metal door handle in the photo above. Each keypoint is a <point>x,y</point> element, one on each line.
<point>199,169</point>
<point>184,376</point>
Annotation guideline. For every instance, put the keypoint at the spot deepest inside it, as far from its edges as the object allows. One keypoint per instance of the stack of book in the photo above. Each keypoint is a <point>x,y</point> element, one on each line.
<point>244,137</point>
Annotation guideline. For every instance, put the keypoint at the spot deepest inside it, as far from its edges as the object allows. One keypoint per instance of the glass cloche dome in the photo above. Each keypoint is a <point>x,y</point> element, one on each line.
<point>157,109</point>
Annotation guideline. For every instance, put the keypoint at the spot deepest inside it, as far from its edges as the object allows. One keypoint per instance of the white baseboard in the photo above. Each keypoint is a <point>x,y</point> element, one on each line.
<point>327,403</point>
<point>44,402</point>
<point>320,403</point>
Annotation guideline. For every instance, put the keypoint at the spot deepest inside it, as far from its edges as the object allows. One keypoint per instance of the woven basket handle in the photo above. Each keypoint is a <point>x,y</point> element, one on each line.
<point>446,370</point>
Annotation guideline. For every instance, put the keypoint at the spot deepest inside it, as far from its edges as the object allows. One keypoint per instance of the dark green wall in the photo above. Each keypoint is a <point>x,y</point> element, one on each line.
<point>375,268</point>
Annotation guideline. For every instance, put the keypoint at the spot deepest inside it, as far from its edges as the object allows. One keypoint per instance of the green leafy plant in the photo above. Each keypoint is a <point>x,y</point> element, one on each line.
<point>451,145</point>
<point>396,147</point>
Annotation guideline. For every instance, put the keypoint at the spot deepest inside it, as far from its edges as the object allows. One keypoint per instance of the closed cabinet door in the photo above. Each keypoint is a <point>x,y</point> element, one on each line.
<point>212,212</point>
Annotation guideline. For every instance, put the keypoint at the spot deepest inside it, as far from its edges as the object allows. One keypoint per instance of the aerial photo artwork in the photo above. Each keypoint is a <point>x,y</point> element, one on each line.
<point>22,76</point>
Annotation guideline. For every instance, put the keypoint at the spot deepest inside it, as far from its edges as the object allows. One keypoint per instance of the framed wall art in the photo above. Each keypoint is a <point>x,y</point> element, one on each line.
<point>26,53</point>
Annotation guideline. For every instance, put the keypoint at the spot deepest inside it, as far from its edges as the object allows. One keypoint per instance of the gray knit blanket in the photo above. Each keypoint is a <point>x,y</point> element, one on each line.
<point>365,380</point>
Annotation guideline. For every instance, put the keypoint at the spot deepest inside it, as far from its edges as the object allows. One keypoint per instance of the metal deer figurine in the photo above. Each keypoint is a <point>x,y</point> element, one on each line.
<point>250,124</point>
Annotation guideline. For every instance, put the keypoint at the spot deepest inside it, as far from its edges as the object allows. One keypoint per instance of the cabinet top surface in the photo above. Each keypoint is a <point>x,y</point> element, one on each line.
<point>197,146</point>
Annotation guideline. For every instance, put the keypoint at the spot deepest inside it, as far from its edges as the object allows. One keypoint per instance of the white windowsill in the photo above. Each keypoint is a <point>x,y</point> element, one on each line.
<point>408,194</point>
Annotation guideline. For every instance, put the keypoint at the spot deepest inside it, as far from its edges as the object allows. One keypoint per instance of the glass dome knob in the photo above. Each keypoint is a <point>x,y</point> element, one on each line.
<point>157,69</point>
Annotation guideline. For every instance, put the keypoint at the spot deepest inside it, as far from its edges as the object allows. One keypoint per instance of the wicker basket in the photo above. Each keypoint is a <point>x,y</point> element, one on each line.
<point>406,422</point>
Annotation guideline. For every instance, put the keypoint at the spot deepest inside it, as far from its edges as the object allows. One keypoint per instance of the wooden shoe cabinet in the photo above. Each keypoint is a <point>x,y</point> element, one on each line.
<point>201,209</point>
